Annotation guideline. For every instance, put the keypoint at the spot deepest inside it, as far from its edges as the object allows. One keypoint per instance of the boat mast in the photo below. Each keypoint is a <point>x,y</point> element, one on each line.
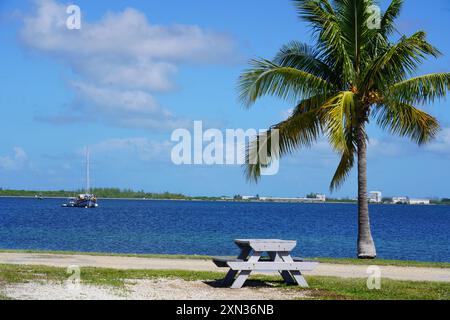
<point>88,182</point>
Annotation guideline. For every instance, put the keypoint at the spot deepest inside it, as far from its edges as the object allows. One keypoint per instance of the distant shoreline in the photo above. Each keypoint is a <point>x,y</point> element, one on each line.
<point>187,199</point>
<point>129,194</point>
<point>223,200</point>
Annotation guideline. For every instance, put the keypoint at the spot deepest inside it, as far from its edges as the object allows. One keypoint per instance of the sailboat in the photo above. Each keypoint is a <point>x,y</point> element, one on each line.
<point>86,200</point>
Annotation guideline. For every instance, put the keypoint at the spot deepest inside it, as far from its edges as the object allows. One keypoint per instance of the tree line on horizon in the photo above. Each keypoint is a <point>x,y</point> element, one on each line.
<point>132,194</point>
<point>99,192</point>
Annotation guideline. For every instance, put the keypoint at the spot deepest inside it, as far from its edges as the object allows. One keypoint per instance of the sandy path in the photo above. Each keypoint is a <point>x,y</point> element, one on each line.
<point>155,289</point>
<point>116,262</point>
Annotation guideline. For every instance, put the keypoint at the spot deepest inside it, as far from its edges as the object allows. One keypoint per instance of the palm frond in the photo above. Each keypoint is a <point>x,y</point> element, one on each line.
<point>338,117</point>
<point>301,129</point>
<point>399,61</point>
<point>259,155</point>
<point>353,16</point>
<point>332,42</point>
<point>422,89</point>
<point>345,166</point>
<point>268,78</point>
<point>407,121</point>
<point>388,19</point>
<point>302,56</point>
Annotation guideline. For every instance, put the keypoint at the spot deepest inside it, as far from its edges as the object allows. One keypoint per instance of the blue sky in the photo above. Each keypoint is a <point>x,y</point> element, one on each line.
<point>139,69</point>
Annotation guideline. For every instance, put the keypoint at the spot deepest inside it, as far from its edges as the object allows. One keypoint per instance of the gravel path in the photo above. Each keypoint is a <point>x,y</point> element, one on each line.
<point>158,289</point>
<point>116,262</point>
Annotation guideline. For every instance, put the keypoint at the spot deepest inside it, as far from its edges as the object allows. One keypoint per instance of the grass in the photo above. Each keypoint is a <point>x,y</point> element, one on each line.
<point>378,262</point>
<point>356,289</point>
<point>10,274</point>
<point>321,288</point>
<point>382,262</point>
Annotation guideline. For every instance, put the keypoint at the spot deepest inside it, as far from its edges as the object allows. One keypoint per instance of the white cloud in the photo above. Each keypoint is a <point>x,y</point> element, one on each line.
<point>124,35</point>
<point>125,108</point>
<point>15,161</point>
<point>441,145</point>
<point>121,60</point>
<point>116,101</point>
<point>155,76</point>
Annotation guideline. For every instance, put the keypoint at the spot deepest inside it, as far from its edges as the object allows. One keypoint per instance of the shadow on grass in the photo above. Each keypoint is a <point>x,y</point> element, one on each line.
<point>251,283</point>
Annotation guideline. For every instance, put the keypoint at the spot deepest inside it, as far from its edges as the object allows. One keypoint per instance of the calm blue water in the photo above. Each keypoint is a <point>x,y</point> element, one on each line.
<point>327,230</point>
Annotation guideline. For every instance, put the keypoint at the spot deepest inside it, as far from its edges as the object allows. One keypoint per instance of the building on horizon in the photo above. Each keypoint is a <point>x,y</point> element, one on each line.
<point>321,197</point>
<point>419,201</point>
<point>375,197</point>
<point>407,200</point>
<point>399,200</point>
<point>249,198</point>
<point>318,198</point>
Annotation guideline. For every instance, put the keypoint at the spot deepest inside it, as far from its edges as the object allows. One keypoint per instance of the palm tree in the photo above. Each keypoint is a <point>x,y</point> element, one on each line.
<point>352,75</point>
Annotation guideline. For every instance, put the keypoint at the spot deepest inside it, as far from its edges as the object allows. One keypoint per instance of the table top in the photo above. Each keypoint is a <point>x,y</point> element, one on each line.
<point>247,241</point>
<point>267,245</point>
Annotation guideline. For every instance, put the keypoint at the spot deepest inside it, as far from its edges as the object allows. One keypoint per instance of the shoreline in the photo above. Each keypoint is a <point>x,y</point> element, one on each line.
<point>328,260</point>
<point>233,201</point>
<point>187,199</point>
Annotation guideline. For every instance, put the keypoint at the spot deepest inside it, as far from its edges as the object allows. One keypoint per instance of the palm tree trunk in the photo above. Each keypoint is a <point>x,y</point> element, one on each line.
<point>366,246</point>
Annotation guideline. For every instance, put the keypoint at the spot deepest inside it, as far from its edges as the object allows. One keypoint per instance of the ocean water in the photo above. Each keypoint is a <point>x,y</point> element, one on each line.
<point>177,227</point>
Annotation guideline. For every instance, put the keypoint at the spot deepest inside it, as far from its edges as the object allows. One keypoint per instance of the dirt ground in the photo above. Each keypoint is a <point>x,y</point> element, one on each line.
<point>157,289</point>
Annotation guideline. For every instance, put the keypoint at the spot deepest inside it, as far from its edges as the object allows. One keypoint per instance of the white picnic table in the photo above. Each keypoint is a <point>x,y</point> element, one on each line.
<point>279,260</point>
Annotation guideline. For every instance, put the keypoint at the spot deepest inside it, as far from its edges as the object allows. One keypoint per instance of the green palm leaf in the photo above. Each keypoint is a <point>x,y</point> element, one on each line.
<point>338,115</point>
<point>407,121</point>
<point>398,61</point>
<point>388,19</point>
<point>303,57</point>
<point>301,129</point>
<point>332,41</point>
<point>268,78</point>
<point>345,166</point>
<point>423,89</point>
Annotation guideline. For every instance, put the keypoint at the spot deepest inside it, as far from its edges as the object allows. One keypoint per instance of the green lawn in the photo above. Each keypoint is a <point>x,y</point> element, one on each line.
<point>320,287</point>
<point>338,288</point>
<point>379,262</point>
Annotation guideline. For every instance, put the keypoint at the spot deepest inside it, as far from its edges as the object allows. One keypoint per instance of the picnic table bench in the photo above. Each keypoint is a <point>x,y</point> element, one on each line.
<point>251,259</point>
